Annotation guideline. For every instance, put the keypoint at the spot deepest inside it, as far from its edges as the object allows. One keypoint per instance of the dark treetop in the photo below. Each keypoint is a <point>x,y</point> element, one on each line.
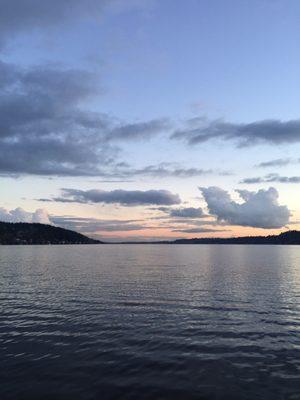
<point>289,237</point>
<point>25,233</point>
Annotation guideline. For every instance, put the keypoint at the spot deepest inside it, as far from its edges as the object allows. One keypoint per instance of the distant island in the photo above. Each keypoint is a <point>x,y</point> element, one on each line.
<point>289,237</point>
<point>27,233</point>
<point>34,233</point>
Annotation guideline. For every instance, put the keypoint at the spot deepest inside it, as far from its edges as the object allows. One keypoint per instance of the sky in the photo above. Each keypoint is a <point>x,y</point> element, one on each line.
<point>151,119</point>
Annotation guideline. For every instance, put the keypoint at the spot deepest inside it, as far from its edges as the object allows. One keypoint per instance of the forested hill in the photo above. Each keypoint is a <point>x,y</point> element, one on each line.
<point>26,233</point>
<point>289,237</point>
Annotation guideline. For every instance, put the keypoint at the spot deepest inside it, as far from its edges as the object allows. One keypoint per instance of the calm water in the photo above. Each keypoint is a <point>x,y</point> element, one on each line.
<point>150,322</point>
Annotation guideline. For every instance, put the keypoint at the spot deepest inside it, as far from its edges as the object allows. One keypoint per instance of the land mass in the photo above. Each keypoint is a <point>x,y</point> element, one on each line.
<point>27,233</point>
<point>34,233</point>
<point>289,237</point>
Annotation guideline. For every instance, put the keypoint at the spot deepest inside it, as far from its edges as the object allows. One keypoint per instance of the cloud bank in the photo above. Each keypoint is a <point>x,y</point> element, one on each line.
<point>272,178</point>
<point>259,209</point>
<point>199,130</point>
<point>199,230</point>
<point>279,162</point>
<point>45,130</point>
<point>183,212</point>
<point>165,169</point>
<point>94,225</point>
<point>19,215</point>
<point>119,196</point>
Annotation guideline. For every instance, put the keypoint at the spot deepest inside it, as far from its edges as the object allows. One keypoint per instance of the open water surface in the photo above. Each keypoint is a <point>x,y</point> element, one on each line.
<point>149,322</point>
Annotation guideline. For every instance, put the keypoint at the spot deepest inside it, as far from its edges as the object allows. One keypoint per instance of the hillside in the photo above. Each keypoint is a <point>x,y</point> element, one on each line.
<point>289,237</point>
<point>26,233</point>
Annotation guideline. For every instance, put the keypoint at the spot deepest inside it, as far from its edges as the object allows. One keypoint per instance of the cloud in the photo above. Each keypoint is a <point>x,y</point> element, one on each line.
<point>188,212</point>
<point>139,130</point>
<point>169,172</point>
<point>272,178</point>
<point>280,162</point>
<point>199,230</point>
<point>44,129</point>
<point>199,130</point>
<point>96,226</point>
<point>183,212</point>
<point>122,197</point>
<point>163,170</point>
<point>93,225</point>
<point>19,215</point>
<point>259,209</point>
<point>45,125</point>
<point>166,170</point>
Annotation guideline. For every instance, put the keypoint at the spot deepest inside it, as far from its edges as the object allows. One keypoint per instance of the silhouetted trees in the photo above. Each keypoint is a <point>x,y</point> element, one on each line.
<point>26,233</point>
<point>289,237</point>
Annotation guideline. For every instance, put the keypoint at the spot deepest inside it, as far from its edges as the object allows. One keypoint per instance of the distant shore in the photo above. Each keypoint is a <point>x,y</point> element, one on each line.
<point>39,234</point>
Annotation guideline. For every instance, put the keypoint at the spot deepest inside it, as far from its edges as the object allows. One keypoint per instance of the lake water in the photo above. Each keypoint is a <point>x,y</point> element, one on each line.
<point>150,322</point>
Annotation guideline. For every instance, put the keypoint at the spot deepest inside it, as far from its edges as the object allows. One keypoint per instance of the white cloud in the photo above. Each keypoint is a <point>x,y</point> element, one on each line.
<point>19,215</point>
<point>260,209</point>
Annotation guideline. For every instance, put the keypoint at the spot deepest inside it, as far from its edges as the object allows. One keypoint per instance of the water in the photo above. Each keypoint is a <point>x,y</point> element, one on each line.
<point>150,322</point>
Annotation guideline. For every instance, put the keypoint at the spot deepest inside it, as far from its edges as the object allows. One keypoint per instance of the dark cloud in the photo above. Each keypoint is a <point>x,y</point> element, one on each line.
<point>252,180</point>
<point>272,178</point>
<point>139,130</point>
<point>280,162</point>
<point>42,128</point>
<point>122,197</point>
<point>199,130</point>
<point>259,209</point>
<point>197,222</point>
<point>45,97</point>
<point>164,170</point>
<point>183,212</point>
<point>45,130</point>
<point>47,156</point>
<point>188,212</point>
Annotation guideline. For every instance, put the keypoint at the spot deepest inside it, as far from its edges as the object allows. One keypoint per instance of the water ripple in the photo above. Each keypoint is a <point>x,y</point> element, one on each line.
<point>150,322</point>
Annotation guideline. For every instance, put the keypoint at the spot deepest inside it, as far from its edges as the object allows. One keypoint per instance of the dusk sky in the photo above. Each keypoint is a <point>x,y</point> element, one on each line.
<point>151,119</point>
